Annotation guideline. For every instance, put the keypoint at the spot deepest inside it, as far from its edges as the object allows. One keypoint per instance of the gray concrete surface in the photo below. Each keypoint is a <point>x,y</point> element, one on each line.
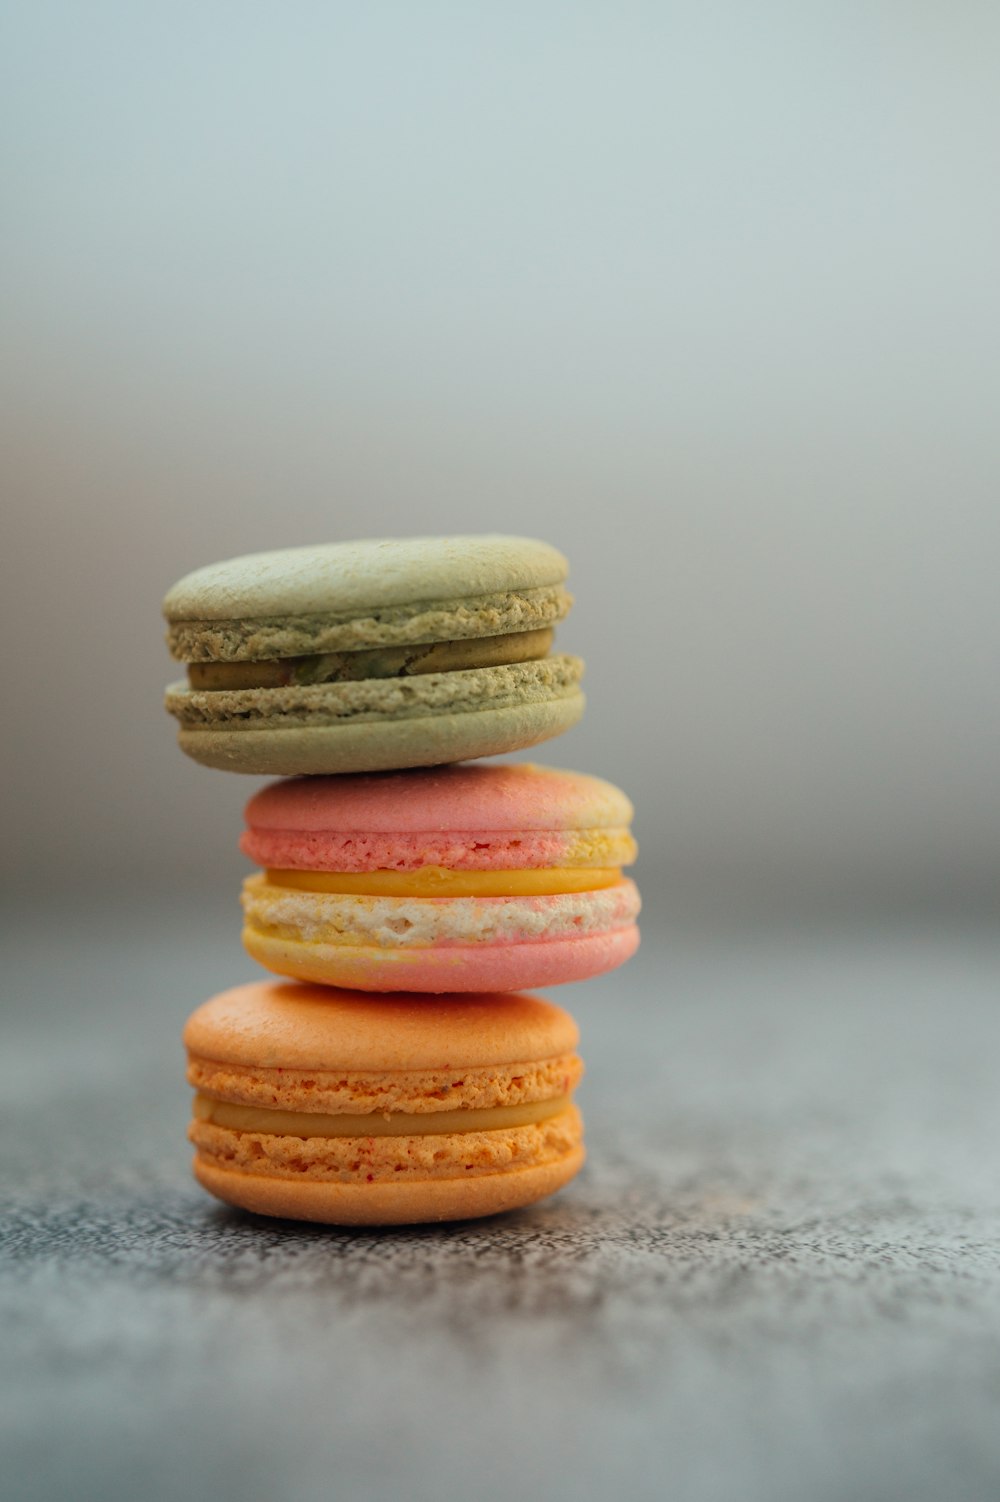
<point>777,1279</point>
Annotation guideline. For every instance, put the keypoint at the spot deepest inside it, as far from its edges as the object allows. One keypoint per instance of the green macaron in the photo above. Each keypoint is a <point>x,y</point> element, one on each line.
<point>374,655</point>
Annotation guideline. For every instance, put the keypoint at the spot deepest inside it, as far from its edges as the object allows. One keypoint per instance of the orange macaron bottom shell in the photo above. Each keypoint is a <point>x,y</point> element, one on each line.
<point>430,1176</point>
<point>388,1204</point>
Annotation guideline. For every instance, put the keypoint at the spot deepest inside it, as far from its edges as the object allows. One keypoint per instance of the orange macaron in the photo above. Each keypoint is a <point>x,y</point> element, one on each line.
<point>324,1105</point>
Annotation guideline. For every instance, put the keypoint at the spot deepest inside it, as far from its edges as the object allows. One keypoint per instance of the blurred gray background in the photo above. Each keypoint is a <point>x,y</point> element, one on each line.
<point>705,295</point>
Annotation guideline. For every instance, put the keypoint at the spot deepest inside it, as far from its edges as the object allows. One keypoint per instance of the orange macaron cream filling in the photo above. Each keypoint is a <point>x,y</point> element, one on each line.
<point>373,1124</point>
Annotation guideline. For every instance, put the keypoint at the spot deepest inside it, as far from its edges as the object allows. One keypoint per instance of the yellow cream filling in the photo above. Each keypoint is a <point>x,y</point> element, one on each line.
<point>437,881</point>
<point>224,1113</point>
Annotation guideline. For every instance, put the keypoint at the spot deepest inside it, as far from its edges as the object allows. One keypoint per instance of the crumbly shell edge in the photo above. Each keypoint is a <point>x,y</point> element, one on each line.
<point>372,699</point>
<point>399,625</point>
<point>389,1159</point>
<point>413,1091</point>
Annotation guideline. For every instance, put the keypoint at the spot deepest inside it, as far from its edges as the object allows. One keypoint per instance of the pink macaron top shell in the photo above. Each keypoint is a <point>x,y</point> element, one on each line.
<point>466,817</point>
<point>509,796</point>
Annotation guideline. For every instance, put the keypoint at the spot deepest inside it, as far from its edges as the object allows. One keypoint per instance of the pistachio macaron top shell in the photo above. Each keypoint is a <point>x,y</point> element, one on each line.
<point>368,593</point>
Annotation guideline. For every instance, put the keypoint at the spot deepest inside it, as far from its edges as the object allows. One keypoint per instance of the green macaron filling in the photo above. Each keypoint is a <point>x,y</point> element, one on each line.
<point>378,662</point>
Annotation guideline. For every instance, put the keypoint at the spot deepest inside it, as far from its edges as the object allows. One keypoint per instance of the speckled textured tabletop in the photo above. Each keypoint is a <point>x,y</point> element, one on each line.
<point>778,1277</point>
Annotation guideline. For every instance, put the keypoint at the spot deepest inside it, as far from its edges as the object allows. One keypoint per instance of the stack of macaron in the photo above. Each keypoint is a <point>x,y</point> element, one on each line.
<point>409,895</point>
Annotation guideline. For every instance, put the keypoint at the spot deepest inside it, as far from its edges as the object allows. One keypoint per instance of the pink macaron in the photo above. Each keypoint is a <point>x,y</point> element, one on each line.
<point>458,878</point>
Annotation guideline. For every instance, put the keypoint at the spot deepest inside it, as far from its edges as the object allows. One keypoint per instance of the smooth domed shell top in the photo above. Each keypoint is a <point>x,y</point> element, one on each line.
<point>516,796</point>
<point>356,576</point>
<point>268,1025</point>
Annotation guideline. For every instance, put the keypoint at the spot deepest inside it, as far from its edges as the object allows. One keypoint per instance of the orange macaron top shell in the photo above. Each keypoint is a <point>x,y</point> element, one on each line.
<point>268,1025</point>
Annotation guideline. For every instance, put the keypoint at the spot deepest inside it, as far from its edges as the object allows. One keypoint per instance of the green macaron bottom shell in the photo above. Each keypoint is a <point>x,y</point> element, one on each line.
<point>382,747</point>
<point>380,725</point>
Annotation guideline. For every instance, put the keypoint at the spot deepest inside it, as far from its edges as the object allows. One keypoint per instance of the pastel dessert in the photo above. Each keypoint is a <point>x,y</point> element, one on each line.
<point>460,878</point>
<point>319,1104</point>
<point>365,656</point>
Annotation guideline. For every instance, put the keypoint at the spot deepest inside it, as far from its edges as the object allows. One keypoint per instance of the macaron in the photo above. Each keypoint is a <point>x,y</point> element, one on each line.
<point>371,655</point>
<point>318,1104</point>
<point>458,878</point>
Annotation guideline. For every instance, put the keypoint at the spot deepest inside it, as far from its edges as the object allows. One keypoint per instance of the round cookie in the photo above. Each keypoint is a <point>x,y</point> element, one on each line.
<point>319,1104</point>
<point>372,655</point>
<point>460,878</point>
